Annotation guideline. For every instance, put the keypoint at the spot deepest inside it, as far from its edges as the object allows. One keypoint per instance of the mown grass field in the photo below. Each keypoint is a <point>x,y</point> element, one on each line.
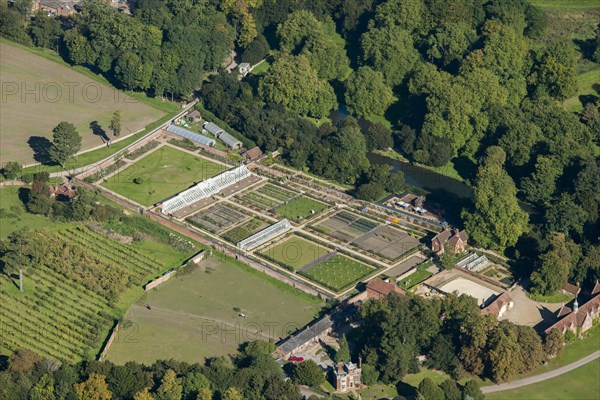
<point>64,318</point>
<point>192,317</point>
<point>588,90</point>
<point>338,272</point>
<point>582,383</point>
<point>295,252</point>
<point>58,93</point>
<point>300,208</point>
<point>164,173</point>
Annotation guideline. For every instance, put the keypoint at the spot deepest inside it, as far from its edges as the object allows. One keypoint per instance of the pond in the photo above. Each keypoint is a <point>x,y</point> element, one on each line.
<point>453,195</point>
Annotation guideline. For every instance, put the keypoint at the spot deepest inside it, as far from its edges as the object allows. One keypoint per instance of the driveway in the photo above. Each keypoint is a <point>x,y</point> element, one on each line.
<point>529,312</point>
<point>541,377</point>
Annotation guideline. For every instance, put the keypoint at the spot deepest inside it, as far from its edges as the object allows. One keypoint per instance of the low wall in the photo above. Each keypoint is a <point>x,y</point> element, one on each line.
<point>160,280</point>
<point>111,160</point>
<point>109,342</point>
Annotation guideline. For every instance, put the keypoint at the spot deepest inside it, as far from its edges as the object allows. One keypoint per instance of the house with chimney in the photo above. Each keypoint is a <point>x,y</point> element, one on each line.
<point>451,240</point>
<point>578,319</point>
<point>499,306</point>
<point>346,377</point>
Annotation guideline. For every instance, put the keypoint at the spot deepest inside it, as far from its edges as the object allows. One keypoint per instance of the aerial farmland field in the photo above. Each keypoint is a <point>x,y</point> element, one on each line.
<point>197,316</point>
<point>38,93</point>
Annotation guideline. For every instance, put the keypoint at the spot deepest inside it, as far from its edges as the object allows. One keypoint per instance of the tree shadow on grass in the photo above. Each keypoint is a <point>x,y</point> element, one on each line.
<point>588,98</point>
<point>24,195</point>
<point>406,390</point>
<point>99,131</point>
<point>40,146</point>
<point>466,168</point>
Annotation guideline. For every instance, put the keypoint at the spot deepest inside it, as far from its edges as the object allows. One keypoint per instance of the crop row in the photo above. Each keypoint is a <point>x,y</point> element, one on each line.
<point>122,261</point>
<point>79,308</point>
<point>48,317</point>
<point>363,225</point>
<point>114,247</point>
<point>260,200</point>
<point>25,323</point>
<point>276,192</point>
<point>59,280</point>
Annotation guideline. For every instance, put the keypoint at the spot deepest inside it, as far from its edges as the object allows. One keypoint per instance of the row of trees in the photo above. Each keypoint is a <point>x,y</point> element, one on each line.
<point>251,374</point>
<point>453,335</point>
<point>165,48</point>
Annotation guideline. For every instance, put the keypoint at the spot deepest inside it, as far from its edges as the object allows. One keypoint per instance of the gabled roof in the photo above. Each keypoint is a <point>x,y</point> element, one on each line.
<point>596,289</point>
<point>443,236</point>
<point>253,153</point>
<point>497,304</point>
<point>383,288</point>
<point>570,288</point>
<point>308,333</point>
<point>463,235</point>
<point>564,310</point>
<point>577,318</point>
<point>194,114</point>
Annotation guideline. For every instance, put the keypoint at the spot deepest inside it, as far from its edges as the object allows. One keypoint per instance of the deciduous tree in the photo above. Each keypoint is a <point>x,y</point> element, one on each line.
<point>293,83</point>
<point>429,390</point>
<point>170,387</point>
<point>554,266</point>
<point>367,94</point>
<point>66,142</point>
<point>390,51</point>
<point>115,123</point>
<point>308,373</point>
<point>497,221</point>
<point>94,388</point>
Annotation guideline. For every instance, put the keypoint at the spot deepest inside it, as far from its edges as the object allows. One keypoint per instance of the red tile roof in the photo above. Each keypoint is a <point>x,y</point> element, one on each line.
<point>253,153</point>
<point>576,318</point>
<point>497,304</point>
<point>564,310</point>
<point>383,288</point>
<point>570,288</point>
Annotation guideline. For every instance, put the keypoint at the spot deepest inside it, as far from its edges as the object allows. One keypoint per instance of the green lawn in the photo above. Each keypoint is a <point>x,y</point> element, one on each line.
<point>164,173</point>
<point>95,156</point>
<point>414,279</point>
<point>557,297</point>
<point>582,383</point>
<point>300,208</point>
<point>193,316</point>
<point>338,272</point>
<point>566,4</point>
<point>586,82</point>
<point>295,252</point>
<point>261,68</point>
<point>414,379</point>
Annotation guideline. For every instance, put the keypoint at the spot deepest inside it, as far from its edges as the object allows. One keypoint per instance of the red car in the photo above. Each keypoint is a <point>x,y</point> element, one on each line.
<point>296,359</point>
